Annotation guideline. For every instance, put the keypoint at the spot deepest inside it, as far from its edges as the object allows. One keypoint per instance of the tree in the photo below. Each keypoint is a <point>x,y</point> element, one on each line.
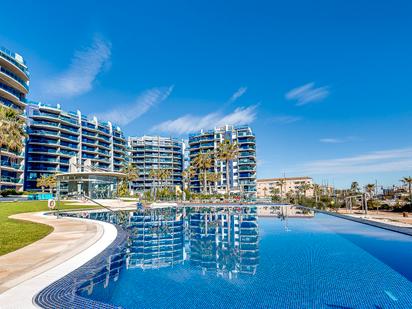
<point>41,182</point>
<point>408,181</point>
<point>214,177</point>
<point>370,187</point>
<point>164,175</point>
<point>51,182</point>
<point>354,187</point>
<point>280,183</point>
<point>131,175</point>
<point>203,162</point>
<point>12,132</point>
<point>304,188</point>
<point>227,152</point>
<point>317,191</point>
<point>188,174</point>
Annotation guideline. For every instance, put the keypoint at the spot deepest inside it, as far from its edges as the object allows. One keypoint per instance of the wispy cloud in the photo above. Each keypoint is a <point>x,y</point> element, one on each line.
<point>394,160</point>
<point>85,66</point>
<point>191,123</point>
<point>284,119</point>
<point>125,114</point>
<point>241,91</point>
<point>335,140</point>
<point>308,93</point>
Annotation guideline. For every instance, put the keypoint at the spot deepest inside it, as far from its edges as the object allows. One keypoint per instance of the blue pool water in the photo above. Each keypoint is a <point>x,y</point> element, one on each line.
<point>229,257</point>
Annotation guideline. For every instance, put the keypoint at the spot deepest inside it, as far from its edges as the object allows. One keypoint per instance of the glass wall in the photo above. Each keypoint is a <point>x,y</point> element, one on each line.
<point>92,186</point>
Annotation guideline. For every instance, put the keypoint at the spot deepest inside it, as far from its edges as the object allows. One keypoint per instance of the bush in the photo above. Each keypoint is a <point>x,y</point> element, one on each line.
<point>8,192</point>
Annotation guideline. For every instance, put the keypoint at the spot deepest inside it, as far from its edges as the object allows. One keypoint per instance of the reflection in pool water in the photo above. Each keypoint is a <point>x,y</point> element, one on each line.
<point>227,256</point>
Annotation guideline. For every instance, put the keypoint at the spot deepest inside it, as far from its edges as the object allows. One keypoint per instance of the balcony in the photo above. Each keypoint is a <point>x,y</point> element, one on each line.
<point>18,108</point>
<point>11,165</point>
<point>17,80</point>
<point>9,56</point>
<point>13,180</point>
<point>12,94</point>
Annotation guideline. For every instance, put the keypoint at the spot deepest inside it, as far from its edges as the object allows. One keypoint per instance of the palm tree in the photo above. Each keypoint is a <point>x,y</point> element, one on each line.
<point>154,174</point>
<point>42,182</point>
<point>408,181</point>
<point>317,191</point>
<point>164,175</point>
<point>354,187</point>
<point>305,187</point>
<point>188,174</point>
<point>370,187</point>
<point>131,175</point>
<point>203,162</point>
<point>280,183</point>
<point>227,152</point>
<point>12,132</point>
<point>214,178</point>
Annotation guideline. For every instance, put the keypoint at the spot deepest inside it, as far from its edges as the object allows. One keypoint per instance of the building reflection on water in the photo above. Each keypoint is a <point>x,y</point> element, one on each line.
<point>220,240</point>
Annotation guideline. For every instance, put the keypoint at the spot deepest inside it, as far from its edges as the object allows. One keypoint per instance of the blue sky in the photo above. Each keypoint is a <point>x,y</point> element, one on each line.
<point>326,85</point>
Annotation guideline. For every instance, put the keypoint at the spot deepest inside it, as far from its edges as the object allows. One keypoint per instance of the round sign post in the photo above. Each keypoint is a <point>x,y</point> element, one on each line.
<point>51,204</point>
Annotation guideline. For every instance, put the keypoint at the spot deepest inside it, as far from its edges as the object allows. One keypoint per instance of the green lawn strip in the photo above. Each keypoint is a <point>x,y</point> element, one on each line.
<point>15,234</point>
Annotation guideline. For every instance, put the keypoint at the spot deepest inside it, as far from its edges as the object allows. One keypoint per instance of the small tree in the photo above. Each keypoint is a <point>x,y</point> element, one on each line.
<point>408,181</point>
<point>51,183</point>
<point>42,182</point>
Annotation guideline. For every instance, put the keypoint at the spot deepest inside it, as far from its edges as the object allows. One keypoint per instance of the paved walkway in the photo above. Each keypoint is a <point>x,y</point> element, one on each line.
<point>68,238</point>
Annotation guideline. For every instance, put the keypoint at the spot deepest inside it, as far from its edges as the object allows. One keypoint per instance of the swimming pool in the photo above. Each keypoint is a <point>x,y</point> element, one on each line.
<point>221,257</point>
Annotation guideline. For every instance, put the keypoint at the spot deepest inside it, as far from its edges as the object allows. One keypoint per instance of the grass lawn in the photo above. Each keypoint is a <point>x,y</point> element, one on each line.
<point>15,234</point>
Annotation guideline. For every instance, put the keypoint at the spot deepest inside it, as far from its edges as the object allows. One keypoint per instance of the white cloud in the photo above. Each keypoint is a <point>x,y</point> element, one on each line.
<point>190,123</point>
<point>123,115</point>
<point>83,71</point>
<point>395,160</point>
<point>334,140</point>
<point>285,119</point>
<point>307,94</point>
<point>241,91</point>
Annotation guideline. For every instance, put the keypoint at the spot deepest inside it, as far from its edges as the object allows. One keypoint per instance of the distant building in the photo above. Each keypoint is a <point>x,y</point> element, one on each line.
<point>152,153</point>
<point>58,139</point>
<point>242,170</point>
<point>291,184</point>
<point>14,87</point>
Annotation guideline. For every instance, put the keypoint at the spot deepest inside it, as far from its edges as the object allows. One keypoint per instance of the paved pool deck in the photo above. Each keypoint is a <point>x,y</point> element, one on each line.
<point>73,242</point>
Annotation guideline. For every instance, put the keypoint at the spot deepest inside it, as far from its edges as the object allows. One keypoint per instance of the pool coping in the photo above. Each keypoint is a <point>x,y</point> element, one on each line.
<point>385,226</point>
<point>23,295</point>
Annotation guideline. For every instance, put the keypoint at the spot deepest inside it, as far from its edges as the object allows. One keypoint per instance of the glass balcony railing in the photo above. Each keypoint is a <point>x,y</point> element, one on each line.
<point>15,77</point>
<point>13,91</point>
<point>10,104</point>
<point>42,150</point>
<point>11,179</point>
<point>6,163</point>
<point>10,56</point>
<point>46,123</point>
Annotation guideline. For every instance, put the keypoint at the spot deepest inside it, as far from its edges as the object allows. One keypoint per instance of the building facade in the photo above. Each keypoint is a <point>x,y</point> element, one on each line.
<point>59,140</point>
<point>149,153</point>
<point>283,186</point>
<point>225,241</point>
<point>242,172</point>
<point>14,87</point>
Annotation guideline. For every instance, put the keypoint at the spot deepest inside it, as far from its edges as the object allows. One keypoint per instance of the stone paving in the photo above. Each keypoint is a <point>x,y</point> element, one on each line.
<point>68,238</point>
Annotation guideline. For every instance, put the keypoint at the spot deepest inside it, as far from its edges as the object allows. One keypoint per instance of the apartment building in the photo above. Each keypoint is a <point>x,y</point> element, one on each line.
<point>14,87</point>
<point>242,171</point>
<point>283,185</point>
<point>56,136</point>
<point>149,153</point>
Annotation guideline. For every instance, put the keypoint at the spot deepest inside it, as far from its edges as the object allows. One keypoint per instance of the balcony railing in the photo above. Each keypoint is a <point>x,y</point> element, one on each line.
<point>15,77</point>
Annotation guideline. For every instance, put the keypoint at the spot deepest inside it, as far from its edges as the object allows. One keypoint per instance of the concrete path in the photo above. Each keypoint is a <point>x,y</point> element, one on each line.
<point>25,272</point>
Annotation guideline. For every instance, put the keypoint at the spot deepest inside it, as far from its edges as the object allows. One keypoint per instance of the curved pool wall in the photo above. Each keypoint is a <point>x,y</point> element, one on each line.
<point>63,293</point>
<point>312,262</point>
